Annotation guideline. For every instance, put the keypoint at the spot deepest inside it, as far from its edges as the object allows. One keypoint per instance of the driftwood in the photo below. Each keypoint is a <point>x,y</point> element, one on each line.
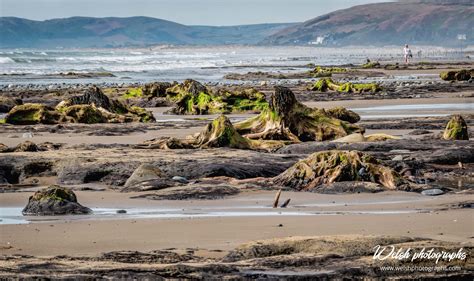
<point>277,198</point>
<point>285,204</point>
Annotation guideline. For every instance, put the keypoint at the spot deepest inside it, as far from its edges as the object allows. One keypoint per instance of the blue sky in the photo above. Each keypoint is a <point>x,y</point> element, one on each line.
<point>193,12</point>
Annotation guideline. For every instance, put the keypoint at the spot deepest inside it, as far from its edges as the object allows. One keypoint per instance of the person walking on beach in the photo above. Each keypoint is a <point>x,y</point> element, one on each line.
<point>407,54</point>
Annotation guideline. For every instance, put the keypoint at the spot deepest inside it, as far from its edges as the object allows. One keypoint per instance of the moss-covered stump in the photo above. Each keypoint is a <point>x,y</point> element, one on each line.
<point>458,75</point>
<point>84,113</point>
<point>219,133</point>
<point>319,71</point>
<point>327,84</point>
<point>54,200</point>
<point>192,97</point>
<point>32,113</point>
<point>287,119</point>
<point>456,129</point>
<point>95,107</point>
<point>327,167</point>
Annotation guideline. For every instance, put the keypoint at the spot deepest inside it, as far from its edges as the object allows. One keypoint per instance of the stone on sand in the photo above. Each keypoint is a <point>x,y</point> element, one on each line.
<point>54,200</point>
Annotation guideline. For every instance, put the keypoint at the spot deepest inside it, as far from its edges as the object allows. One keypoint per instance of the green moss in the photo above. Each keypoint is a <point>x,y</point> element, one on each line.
<point>2,121</point>
<point>56,193</point>
<point>202,100</point>
<point>133,93</point>
<point>320,86</point>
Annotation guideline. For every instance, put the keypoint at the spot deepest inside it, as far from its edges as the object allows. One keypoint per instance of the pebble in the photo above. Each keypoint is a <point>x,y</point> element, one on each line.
<point>28,135</point>
<point>400,151</point>
<point>432,192</point>
<point>180,179</point>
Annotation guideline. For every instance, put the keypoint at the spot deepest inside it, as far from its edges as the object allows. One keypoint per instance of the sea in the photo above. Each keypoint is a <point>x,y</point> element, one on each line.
<point>171,63</point>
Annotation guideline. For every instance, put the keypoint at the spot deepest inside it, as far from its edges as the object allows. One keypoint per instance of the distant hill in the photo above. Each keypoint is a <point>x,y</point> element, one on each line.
<point>123,32</point>
<point>430,22</point>
<point>433,22</point>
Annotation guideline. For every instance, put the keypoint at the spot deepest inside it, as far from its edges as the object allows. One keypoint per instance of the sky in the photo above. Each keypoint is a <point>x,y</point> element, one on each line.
<point>190,12</point>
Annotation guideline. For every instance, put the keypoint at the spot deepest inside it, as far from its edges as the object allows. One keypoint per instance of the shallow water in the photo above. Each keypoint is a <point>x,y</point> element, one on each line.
<point>413,107</point>
<point>412,110</point>
<point>14,216</point>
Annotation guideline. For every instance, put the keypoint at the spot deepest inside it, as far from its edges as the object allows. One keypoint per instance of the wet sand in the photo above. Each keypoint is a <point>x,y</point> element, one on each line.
<point>388,213</point>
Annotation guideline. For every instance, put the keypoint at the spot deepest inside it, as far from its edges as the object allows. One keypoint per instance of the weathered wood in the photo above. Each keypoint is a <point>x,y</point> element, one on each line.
<point>277,198</point>
<point>285,204</point>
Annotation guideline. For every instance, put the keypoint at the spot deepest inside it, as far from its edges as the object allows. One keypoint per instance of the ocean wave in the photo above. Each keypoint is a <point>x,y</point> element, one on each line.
<point>6,60</point>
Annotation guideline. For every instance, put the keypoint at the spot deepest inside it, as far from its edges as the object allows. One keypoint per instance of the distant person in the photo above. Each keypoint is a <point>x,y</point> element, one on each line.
<point>407,54</point>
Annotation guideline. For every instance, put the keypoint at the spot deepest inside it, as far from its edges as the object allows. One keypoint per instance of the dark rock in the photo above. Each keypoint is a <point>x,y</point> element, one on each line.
<point>54,200</point>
